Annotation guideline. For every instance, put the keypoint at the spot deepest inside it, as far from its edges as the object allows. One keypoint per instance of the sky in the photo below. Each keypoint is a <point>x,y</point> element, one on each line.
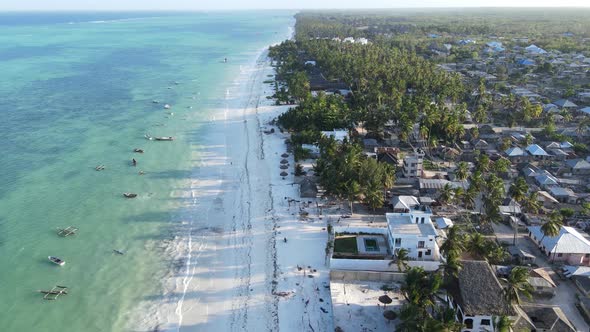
<point>270,4</point>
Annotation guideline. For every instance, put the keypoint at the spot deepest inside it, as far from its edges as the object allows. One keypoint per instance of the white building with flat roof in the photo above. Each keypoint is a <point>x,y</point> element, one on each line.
<point>337,134</point>
<point>414,232</point>
<point>413,165</point>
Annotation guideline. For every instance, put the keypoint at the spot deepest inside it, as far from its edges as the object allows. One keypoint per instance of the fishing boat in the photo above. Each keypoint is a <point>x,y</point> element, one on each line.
<point>99,167</point>
<point>159,138</point>
<point>54,292</point>
<point>56,260</point>
<point>118,252</point>
<point>129,195</point>
<point>138,150</point>
<point>64,232</point>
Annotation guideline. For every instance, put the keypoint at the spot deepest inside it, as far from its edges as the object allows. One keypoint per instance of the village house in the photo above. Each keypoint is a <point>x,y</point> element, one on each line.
<point>548,318</point>
<point>413,165</point>
<point>569,246</point>
<point>516,155</point>
<point>537,152</point>
<point>562,194</point>
<point>578,166</point>
<point>547,200</point>
<point>542,283</point>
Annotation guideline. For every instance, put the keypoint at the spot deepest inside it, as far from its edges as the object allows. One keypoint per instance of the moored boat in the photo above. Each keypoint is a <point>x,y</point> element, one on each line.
<point>56,260</point>
<point>129,195</point>
<point>164,138</point>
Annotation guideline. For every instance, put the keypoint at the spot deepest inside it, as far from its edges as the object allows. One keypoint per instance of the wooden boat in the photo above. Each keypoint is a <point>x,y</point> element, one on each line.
<point>129,195</point>
<point>54,292</point>
<point>99,167</point>
<point>138,150</point>
<point>56,260</point>
<point>159,138</point>
<point>119,252</point>
<point>155,101</point>
<point>70,230</point>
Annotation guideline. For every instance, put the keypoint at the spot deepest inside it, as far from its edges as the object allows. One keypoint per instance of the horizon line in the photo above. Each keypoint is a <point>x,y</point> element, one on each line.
<point>284,9</point>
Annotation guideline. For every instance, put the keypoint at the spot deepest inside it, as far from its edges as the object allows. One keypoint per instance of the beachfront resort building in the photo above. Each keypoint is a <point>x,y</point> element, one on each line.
<point>476,294</point>
<point>413,230</point>
<point>569,246</point>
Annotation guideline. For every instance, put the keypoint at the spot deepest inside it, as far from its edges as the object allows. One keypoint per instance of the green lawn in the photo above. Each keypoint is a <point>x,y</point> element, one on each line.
<point>345,245</point>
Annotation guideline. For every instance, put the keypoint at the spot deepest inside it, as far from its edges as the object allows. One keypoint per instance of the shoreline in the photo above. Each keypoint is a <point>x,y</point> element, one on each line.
<point>238,273</point>
<point>228,270</point>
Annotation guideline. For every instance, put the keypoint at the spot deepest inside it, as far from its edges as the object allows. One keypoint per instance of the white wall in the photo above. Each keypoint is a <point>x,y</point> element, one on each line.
<point>357,230</point>
<point>377,265</point>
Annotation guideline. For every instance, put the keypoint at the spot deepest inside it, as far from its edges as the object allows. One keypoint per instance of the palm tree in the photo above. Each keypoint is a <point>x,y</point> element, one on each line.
<point>462,171</point>
<point>446,194</point>
<point>458,194</point>
<point>446,318</point>
<point>531,203</point>
<point>352,189</point>
<point>420,287</point>
<point>401,260</point>
<point>517,191</point>
<point>476,245</point>
<point>451,267</point>
<point>501,165</point>
<point>469,196</point>
<point>517,283</point>
<point>454,242</point>
<point>504,324</point>
<point>552,227</point>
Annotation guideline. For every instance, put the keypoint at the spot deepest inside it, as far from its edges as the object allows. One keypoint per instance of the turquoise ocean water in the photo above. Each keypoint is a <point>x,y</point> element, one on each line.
<point>76,91</point>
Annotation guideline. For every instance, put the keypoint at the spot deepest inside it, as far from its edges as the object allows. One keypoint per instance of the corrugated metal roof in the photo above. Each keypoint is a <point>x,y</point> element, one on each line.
<point>536,150</point>
<point>569,241</point>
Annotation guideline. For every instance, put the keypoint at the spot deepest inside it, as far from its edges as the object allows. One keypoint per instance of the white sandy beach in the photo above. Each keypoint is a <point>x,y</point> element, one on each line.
<point>235,272</point>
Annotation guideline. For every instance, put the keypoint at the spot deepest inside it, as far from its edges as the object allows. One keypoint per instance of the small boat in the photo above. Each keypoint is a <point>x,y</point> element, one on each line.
<point>119,252</point>
<point>138,150</point>
<point>149,137</point>
<point>167,106</point>
<point>56,260</point>
<point>129,195</point>
<point>64,232</point>
<point>54,292</point>
<point>155,101</point>
<point>99,167</point>
<point>164,138</point>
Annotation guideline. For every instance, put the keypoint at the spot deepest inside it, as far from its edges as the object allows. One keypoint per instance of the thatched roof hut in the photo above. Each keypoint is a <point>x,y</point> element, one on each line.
<point>478,291</point>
